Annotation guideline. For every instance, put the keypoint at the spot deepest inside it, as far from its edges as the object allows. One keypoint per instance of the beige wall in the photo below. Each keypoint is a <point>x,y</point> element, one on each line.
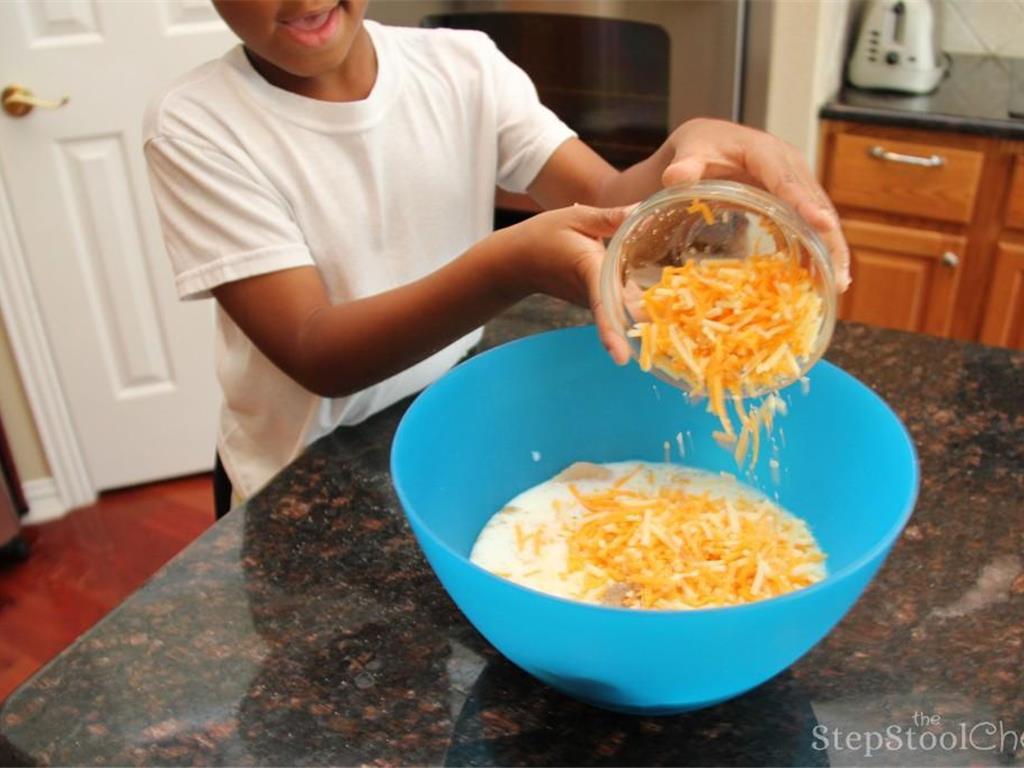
<point>981,26</point>
<point>17,418</point>
<point>808,51</point>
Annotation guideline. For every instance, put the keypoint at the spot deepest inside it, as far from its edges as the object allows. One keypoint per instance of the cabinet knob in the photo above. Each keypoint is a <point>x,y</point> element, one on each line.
<point>950,259</point>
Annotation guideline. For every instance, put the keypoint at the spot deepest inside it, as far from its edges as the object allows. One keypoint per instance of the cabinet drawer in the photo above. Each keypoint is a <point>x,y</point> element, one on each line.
<point>904,177</point>
<point>1015,205</point>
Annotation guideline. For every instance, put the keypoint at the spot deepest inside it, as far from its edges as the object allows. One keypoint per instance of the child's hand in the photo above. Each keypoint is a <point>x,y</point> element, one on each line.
<point>559,253</point>
<point>716,149</point>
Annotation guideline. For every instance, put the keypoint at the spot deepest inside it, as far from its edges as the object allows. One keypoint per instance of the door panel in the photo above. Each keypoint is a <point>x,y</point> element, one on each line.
<point>53,23</point>
<point>183,17</point>
<point>104,223</point>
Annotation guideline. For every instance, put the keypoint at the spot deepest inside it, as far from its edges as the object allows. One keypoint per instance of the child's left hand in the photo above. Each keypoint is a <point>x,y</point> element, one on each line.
<point>716,149</point>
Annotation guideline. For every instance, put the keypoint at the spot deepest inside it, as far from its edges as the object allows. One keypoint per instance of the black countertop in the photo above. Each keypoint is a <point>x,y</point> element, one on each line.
<point>974,98</point>
<point>305,627</point>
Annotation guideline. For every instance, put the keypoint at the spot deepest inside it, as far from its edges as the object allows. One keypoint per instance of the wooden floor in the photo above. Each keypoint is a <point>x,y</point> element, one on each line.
<point>86,563</point>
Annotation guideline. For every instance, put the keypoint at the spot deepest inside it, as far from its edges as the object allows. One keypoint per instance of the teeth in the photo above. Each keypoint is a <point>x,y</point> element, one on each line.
<point>311,22</point>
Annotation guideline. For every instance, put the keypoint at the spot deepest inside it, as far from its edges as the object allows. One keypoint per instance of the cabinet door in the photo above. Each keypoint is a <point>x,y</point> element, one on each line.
<point>903,278</point>
<point>1004,315</point>
<point>1015,200</point>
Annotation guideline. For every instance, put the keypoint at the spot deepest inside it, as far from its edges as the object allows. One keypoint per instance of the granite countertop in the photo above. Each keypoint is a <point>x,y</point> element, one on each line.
<point>974,98</point>
<point>305,627</point>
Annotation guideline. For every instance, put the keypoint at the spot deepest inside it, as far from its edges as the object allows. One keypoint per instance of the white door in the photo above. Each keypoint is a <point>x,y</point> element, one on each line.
<point>135,365</point>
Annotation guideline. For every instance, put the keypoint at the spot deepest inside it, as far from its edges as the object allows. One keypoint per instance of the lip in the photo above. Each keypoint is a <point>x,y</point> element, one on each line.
<point>312,37</point>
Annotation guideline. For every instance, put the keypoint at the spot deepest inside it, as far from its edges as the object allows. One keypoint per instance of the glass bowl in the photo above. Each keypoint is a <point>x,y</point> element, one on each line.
<point>666,230</point>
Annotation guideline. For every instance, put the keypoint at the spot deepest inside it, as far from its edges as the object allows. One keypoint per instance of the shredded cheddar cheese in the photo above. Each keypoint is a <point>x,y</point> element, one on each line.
<point>676,549</point>
<point>729,329</point>
<point>662,538</point>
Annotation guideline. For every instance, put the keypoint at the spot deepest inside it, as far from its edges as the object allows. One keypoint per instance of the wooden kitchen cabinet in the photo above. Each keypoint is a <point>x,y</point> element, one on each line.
<point>906,278</point>
<point>1003,323</point>
<point>1004,315</point>
<point>905,177</point>
<point>935,223</point>
<point>1015,203</point>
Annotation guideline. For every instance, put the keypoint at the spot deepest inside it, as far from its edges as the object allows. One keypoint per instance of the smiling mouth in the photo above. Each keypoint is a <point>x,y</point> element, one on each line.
<point>313,28</point>
<point>310,21</point>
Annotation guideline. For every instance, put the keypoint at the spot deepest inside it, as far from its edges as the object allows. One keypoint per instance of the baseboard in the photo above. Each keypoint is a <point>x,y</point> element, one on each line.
<point>44,501</point>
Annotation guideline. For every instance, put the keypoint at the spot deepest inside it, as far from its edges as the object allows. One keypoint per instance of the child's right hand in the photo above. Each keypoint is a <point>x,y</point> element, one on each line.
<point>559,253</point>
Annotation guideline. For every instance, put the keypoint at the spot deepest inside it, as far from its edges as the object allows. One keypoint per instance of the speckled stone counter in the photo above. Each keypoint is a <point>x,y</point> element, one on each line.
<point>305,628</point>
<point>974,98</point>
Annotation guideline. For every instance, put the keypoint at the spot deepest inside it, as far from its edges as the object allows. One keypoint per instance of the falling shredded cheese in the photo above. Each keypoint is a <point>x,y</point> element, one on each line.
<point>730,329</point>
<point>665,538</point>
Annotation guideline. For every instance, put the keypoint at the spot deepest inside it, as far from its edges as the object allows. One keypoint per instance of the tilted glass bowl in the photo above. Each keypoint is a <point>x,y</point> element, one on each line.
<point>666,231</point>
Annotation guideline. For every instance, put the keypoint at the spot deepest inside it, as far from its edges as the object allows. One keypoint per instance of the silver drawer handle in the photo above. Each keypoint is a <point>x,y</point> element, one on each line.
<point>932,161</point>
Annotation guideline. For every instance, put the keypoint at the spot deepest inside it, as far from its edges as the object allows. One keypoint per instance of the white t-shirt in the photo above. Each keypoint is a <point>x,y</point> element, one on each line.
<point>250,179</point>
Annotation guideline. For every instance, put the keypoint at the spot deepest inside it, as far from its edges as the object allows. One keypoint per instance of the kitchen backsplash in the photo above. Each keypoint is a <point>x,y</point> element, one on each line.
<point>981,26</point>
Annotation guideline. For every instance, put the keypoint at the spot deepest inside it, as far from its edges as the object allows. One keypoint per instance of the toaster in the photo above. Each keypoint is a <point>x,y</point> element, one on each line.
<point>896,49</point>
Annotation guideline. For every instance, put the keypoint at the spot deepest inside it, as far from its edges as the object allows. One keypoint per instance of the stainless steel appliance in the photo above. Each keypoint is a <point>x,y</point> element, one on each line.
<point>896,47</point>
<point>707,40</point>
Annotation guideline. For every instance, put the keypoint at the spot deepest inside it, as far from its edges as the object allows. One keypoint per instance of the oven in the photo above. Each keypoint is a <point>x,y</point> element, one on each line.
<point>714,46</point>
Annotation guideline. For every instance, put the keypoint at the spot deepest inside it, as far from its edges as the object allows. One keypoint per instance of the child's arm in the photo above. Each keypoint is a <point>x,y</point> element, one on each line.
<point>700,148</point>
<point>336,349</point>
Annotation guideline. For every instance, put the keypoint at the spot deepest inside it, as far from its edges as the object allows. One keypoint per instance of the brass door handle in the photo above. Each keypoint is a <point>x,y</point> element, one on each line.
<point>18,101</point>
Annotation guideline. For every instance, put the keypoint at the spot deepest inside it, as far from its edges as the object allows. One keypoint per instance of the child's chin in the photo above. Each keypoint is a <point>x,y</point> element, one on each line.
<point>313,63</point>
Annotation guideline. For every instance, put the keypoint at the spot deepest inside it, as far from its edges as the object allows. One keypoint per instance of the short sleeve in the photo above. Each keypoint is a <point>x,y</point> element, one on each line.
<point>528,132</point>
<point>220,224</point>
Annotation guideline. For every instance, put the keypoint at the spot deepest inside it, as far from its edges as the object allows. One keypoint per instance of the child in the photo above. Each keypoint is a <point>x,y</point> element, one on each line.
<point>331,183</point>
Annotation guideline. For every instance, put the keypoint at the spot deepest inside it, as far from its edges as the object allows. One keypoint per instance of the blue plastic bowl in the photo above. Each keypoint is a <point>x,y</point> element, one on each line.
<point>466,446</point>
